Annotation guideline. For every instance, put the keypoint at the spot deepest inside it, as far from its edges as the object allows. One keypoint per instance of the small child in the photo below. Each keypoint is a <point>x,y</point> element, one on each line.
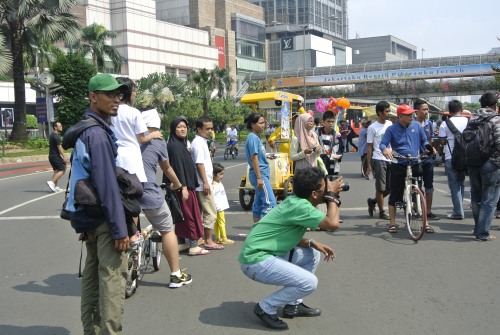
<point>221,204</point>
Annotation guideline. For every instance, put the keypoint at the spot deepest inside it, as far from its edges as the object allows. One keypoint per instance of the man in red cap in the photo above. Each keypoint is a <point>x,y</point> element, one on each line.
<point>406,137</point>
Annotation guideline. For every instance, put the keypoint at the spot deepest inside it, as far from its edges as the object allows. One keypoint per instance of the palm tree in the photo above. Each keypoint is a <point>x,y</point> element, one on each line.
<point>157,85</point>
<point>21,21</point>
<point>205,82</point>
<point>5,57</point>
<point>223,80</point>
<point>93,41</point>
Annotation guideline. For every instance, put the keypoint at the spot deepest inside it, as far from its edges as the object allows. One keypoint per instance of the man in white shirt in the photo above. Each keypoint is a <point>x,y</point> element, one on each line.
<point>378,164</point>
<point>232,136</point>
<point>455,178</point>
<point>204,171</point>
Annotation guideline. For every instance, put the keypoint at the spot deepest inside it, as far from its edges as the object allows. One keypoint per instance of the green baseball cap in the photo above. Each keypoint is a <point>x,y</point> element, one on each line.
<point>105,82</point>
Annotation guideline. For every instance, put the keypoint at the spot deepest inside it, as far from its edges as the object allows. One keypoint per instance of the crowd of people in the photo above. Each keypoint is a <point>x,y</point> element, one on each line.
<point>275,251</point>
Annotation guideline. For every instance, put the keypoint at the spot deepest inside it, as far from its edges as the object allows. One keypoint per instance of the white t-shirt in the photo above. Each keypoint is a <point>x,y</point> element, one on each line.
<point>221,203</point>
<point>460,123</point>
<point>126,125</point>
<point>201,155</point>
<point>232,133</point>
<point>375,134</point>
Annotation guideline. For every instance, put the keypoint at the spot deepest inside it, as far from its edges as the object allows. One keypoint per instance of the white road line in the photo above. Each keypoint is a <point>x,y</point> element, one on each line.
<point>27,202</point>
<point>25,175</point>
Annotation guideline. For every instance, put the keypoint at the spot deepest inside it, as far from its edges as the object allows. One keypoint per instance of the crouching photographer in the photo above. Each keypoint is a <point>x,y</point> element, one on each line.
<point>277,253</point>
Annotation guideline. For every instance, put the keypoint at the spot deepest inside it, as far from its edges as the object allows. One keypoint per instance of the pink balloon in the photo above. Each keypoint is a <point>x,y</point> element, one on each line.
<point>321,105</point>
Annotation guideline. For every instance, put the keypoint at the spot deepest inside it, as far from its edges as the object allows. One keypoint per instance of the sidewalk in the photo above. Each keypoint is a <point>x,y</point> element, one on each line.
<point>23,159</point>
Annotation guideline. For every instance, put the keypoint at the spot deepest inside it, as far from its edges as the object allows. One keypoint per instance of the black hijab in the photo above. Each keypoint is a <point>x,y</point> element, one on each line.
<point>179,156</point>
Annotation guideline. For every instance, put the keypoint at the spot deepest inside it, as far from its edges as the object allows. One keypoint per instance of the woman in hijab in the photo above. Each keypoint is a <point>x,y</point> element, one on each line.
<point>305,147</point>
<point>190,229</point>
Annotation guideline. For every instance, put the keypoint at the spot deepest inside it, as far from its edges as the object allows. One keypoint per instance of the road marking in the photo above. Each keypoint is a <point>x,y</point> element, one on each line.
<point>25,175</point>
<point>27,202</point>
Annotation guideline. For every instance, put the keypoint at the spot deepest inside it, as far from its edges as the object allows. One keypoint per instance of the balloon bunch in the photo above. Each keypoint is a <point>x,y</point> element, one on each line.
<point>333,105</point>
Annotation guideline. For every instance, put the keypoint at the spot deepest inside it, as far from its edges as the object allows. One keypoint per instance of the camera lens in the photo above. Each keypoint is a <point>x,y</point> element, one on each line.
<point>345,186</point>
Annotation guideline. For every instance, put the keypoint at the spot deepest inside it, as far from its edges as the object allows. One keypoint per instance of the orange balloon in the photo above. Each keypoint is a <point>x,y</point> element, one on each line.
<point>343,102</point>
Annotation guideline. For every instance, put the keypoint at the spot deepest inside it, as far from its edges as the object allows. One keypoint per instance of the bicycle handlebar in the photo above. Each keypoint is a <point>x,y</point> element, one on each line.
<point>409,157</point>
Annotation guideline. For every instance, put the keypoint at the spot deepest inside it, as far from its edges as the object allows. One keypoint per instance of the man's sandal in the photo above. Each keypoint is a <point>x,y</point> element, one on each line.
<point>392,228</point>
<point>429,229</point>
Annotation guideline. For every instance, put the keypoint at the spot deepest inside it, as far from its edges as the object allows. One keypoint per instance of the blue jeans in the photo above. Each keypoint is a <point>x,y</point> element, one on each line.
<point>484,190</point>
<point>264,199</point>
<point>456,185</point>
<point>297,277</point>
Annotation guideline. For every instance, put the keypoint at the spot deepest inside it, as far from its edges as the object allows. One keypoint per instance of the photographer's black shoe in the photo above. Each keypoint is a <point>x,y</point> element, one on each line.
<point>289,311</point>
<point>270,320</point>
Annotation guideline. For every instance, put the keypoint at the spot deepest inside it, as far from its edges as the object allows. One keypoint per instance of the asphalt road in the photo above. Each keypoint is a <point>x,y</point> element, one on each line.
<point>378,284</point>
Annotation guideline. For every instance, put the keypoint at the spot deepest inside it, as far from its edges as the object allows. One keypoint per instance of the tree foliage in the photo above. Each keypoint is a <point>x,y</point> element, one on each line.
<point>32,22</point>
<point>93,42</point>
<point>5,57</point>
<point>73,72</point>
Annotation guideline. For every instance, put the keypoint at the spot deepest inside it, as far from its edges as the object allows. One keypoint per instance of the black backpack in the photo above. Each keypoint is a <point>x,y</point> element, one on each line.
<point>473,147</point>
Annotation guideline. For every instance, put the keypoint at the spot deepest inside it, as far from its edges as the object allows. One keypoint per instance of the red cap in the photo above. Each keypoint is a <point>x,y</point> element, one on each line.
<point>405,110</point>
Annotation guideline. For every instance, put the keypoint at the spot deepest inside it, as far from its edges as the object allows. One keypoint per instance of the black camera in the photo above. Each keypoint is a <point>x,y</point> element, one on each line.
<point>345,185</point>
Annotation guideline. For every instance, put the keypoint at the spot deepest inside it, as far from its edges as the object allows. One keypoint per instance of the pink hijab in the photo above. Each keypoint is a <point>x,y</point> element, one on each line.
<point>307,138</point>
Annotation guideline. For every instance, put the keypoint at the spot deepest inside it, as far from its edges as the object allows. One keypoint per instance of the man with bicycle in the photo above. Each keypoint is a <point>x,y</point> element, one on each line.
<point>232,137</point>
<point>406,137</point>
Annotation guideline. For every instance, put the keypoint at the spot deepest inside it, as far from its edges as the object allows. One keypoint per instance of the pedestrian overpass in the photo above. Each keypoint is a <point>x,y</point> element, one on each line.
<point>396,79</point>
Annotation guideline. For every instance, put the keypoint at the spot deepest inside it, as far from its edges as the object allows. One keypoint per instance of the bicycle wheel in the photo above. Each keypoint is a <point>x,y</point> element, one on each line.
<point>132,273</point>
<point>156,251</point>
<point>227,153</point>
<point>417,218</point>
<point>364,167</point>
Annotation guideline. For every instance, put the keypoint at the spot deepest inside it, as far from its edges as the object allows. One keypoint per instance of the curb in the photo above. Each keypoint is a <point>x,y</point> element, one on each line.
<point>21,159</point>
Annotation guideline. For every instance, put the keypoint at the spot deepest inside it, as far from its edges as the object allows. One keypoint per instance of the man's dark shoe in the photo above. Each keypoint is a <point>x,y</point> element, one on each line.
<point>270,320</point>
<point>371,206</point>
<point>383,215</point>
<point>432,216</point>
<point>289,311</point>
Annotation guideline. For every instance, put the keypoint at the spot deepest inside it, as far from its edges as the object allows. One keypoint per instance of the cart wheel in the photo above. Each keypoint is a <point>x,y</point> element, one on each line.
<point>246,197</point>
<point>288,188</point>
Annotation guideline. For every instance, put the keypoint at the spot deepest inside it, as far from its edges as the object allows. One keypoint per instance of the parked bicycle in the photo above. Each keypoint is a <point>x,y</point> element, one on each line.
<point>143,252</point>
<point>413,204</point>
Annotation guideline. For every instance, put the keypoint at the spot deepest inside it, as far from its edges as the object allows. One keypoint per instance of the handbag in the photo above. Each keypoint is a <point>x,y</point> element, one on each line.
<point>174,205</point>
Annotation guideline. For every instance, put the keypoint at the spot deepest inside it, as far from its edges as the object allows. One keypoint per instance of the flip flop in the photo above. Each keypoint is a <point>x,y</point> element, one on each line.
<point>213,247</point>
<point>199,253</point>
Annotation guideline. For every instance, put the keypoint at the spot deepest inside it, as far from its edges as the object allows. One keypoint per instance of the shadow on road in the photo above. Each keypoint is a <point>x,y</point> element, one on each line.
<point>234,314</point>
<point>33,330</point>
<point>59,285</point>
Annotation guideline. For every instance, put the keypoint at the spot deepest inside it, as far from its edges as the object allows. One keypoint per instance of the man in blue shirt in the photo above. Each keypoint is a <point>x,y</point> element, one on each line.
<point>406,137</point>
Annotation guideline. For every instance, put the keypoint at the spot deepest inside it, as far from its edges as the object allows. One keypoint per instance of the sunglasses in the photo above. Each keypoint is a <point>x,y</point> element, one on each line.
<point>111,94</point>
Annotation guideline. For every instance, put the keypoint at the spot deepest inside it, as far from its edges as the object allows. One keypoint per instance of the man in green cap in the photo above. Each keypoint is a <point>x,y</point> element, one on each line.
<point>105,235</point>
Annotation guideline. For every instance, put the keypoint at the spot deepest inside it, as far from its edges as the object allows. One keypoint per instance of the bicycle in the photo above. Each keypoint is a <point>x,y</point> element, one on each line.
<point>231,150</point>
<point>413,204</point>
<point>147,249</point>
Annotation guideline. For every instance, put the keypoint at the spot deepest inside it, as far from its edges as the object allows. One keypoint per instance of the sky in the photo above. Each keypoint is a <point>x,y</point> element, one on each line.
<point>440,27</point>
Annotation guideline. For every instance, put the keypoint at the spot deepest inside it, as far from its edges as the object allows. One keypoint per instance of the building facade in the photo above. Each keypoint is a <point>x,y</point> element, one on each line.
<point>306,33</point>
<point>381,49</point>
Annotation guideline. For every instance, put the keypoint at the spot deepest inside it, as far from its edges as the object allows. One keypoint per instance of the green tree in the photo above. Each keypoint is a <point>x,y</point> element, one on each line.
<point>20,22</point>
<point>5,57</point>
<point>152,90</point>
<point>261,86</point>
<point>93,42</point>
<point>73,72</point>
<point>204,83</point>
<point>223,81</point>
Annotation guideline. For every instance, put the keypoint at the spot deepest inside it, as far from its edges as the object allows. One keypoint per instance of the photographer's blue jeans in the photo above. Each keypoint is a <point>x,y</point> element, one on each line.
<point>297,277</point>
<point>456,185</point>
<point>485,190</point>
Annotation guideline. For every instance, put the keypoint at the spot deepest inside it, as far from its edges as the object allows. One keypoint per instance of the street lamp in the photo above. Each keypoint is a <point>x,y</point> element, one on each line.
<point>423,53</point>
